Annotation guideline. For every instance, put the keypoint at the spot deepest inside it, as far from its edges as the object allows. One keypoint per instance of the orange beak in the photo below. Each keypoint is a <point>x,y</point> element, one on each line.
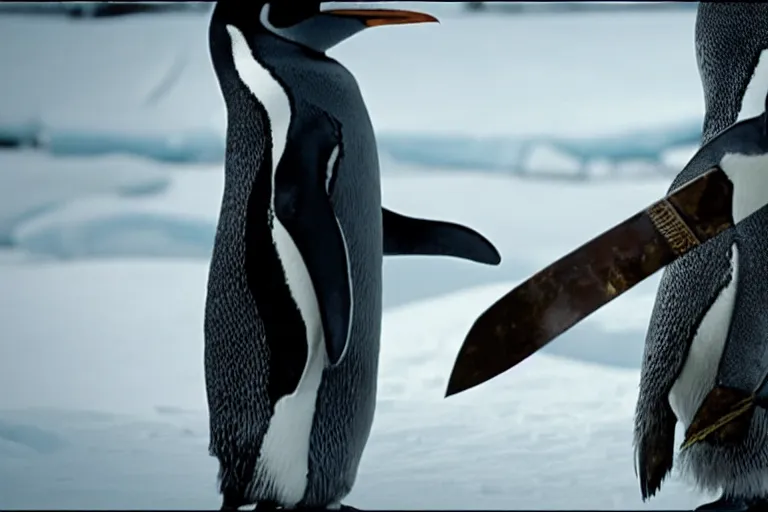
<point>379,17</point>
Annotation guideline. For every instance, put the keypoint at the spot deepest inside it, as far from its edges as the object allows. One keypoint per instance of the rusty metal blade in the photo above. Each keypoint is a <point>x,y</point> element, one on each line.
<point>723,417</point>
<point>570,289</point>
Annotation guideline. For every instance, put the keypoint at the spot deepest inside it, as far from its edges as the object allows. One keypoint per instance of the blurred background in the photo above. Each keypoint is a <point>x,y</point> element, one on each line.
<point>538,124</point>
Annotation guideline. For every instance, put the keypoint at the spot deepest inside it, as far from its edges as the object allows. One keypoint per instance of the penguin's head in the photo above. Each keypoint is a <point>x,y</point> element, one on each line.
<point>306,23</point>
<point>732,56</point>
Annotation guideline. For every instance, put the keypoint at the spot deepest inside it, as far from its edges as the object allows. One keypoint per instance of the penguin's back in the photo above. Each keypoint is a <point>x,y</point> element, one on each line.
<point>236,353</point>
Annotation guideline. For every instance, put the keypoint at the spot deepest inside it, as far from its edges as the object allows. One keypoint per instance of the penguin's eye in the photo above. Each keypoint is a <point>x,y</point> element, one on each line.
<point>287,13</point>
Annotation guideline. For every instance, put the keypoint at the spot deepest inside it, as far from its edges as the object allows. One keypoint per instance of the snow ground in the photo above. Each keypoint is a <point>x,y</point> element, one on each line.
<point>103,257</point>
<point>107,408</point>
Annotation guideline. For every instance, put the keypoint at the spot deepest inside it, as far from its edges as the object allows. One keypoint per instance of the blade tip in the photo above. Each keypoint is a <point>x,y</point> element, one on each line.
<point>453,387</point>
<point>450,389</point>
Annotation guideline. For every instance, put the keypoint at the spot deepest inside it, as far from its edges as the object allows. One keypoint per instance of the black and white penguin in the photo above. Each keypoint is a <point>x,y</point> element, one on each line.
<point>709,326</point>
<point>293,310</point>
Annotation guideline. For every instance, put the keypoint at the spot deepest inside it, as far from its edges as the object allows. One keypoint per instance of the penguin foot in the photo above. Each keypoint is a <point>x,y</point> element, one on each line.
<point>236,501</point>
<point>339,508</point>
<point>757,505</point>
<point>267,506</point>
<point>727,504</point>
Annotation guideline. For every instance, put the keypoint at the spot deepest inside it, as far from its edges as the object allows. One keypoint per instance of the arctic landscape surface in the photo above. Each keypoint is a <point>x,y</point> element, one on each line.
<point>108,208</point>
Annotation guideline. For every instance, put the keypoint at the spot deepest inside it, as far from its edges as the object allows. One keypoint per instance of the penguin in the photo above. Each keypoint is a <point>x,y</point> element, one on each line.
<point>293,307</point>
<point>709,325</point>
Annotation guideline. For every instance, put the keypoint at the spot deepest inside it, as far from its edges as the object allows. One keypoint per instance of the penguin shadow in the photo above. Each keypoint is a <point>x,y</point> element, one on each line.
<point>729,505</point>
<point>271,507</point>
<point>170,410</point>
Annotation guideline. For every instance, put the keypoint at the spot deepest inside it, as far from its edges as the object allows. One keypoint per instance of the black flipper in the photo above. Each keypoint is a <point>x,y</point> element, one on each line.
<point>303,206</point>
<point>410,236</point>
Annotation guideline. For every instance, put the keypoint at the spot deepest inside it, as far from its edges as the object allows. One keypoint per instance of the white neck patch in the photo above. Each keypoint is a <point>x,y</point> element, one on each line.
<point>330,168</point>
<point>753,102</point>
<point>749,175</point>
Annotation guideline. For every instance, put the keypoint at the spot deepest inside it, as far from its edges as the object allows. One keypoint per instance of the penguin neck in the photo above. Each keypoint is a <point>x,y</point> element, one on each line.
<point>729,100</point>
<point>731,39</point>
<point>270,50</point>
<point>753,99</point>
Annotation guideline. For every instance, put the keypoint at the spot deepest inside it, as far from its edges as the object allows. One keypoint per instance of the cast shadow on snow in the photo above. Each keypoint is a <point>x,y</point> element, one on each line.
<point>19,438</point>
<point>35,185</point>
<point>130,234</point>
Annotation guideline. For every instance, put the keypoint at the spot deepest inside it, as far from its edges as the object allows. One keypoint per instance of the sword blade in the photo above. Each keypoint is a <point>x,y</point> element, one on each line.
<point>570,289</point>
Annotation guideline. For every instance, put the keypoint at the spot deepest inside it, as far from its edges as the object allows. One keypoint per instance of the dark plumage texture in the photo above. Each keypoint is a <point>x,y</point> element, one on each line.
<point>237,353</point>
